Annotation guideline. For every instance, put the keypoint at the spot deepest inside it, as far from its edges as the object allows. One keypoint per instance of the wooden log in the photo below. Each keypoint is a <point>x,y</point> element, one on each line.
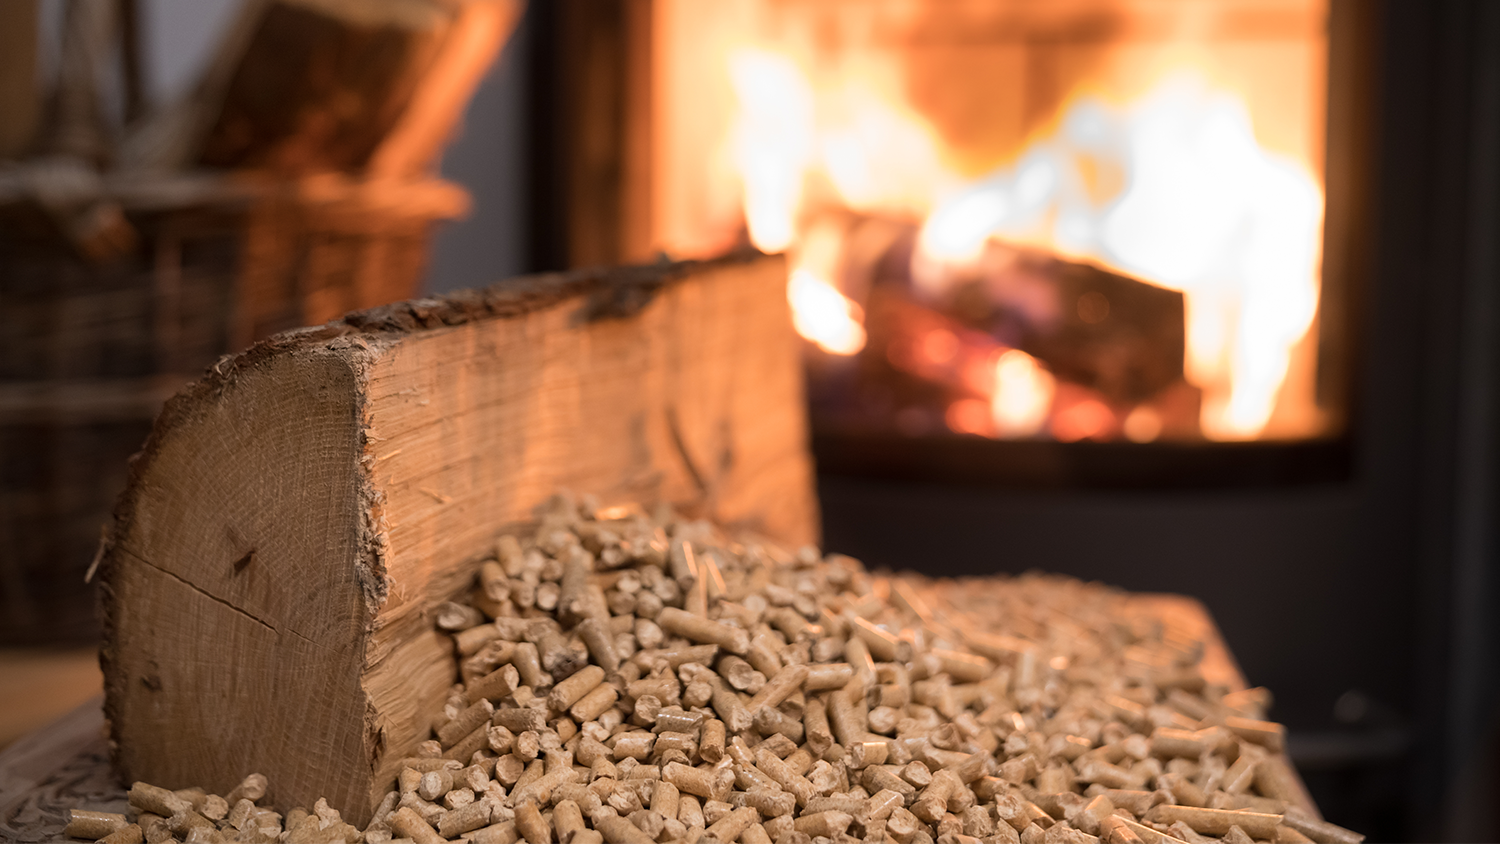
<point>348,84</point>
<point>297,514</point>
<point>479,29</point>
<point>20,96</point>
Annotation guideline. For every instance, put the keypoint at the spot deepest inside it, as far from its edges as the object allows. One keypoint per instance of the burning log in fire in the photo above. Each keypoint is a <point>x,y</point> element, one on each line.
<point>1031,345</point>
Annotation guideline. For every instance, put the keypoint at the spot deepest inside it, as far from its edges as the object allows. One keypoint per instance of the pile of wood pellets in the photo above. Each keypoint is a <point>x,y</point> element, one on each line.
<point>637,678</point>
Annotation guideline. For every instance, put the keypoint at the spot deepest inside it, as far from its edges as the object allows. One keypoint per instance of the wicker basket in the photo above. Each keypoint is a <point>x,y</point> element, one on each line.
<point>88,351</point>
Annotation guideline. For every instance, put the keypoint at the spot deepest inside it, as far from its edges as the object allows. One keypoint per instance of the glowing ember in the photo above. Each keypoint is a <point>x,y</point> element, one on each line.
<point>1143,425</point>
<point>968,416</point>
<point>1023,395</point>
<point>1089,419</point>
<point>825,316</point>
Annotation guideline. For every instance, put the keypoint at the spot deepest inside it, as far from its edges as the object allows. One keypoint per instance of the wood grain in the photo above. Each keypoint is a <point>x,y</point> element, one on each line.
<point>296,514</point>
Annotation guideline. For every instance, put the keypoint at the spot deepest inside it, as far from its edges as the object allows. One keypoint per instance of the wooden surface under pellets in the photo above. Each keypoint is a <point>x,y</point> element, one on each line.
<point>633,677</point>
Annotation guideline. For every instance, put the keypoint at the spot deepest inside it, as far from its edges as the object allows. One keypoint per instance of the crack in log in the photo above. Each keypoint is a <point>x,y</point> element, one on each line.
<point>675,429</point>
<point>211,596</point>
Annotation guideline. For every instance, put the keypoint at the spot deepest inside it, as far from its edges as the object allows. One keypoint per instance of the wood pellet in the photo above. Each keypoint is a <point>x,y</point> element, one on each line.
<point>634,677</point>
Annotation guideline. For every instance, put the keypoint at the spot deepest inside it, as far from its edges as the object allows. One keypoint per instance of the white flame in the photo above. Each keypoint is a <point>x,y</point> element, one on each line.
<point>773,143</point>
<point>823,315</point>
<point>1205,210</point>
<point>874,154</point>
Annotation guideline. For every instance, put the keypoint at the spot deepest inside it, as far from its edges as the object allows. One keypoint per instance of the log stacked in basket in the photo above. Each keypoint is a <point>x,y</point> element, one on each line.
<point>290,185</point>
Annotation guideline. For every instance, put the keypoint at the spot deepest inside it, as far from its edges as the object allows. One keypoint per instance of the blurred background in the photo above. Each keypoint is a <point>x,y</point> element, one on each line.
<point>1193,297</point>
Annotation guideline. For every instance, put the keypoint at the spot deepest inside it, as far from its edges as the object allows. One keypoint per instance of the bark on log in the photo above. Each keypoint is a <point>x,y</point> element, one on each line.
<point>297,513</point>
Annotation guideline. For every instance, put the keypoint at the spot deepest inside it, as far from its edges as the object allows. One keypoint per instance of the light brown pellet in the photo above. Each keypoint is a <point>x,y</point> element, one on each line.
<point>600,642</point>
<point>778,688</point>
<point>456,822</point>
<point>498,684</point>
<point>863,754</point>
<point>468,642</point>
<point>83,823</point>
<point>702,630</point>
<point>845,716</point>
<point>784,776</point>
<point>824,824</point>
<point>665,799</point>
<point>689,811</point>
<point>618,830</point>
<point>1241,774</point>
<point>884,646</point>
<point>128,834</point>
<point>160,801</point>
<point>835,675</point>
<point>815,725</point>
<point>1116,830</point>
<point>454,617</point>
<point>741,675</point>
<point>965,668</point>
<point>408,824</point>
<point>635,745</point>
<point>1266,733</point>
<point>704,783</point>
<point>519,720</point>
<point>540,789</point>
<point>465,722</point>
<point>769,720</point>
<point>675,657</point>
<point>435,784</point>
<point>755,833</point>
<point>530,823</point>
<point>529,663</point>
<point>567,820</point>
<point>1168,742</point>
<point>711,740</point>
<point>883,778</point>
<point>1216,821</point>
<point>1317,830</point>
<point>729,827</point>
<point>672,721</point>
<point>730,708</point>
<point>572,689</point>
<point>595,703</point>
<point>769,803</point>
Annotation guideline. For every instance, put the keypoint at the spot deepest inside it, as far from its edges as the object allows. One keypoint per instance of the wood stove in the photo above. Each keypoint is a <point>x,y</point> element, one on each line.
<point>1349,561</point>
<point>1040,245</point>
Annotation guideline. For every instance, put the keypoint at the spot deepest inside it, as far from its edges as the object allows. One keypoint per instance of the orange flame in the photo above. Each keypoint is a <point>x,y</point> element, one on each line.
<point>1199,207</point>
<point>1204,210</point>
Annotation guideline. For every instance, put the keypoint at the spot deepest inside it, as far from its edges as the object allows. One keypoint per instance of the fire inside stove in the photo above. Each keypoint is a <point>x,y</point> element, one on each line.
<point>1082,220</point>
